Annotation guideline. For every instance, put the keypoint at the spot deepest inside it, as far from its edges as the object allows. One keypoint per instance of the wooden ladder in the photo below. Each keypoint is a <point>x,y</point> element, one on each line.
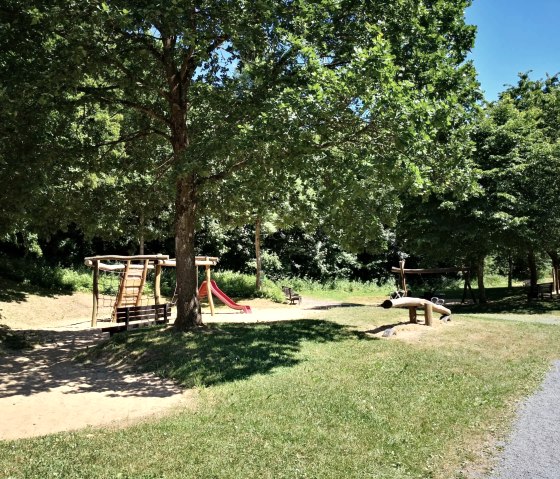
<point>131,286</point>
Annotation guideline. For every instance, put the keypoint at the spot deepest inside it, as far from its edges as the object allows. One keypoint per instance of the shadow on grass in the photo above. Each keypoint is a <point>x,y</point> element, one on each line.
<point>385,327</point>
<point>337,305</point>
<point>504,300</point>
<point>224,352</point>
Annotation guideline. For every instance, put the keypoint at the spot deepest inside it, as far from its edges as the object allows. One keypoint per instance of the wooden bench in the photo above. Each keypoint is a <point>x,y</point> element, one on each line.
<point>540,290</point>
<point>133,317</point>
<point>291,296</point>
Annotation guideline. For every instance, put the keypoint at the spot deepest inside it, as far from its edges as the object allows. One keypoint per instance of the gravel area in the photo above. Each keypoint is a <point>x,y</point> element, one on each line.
<point>533,451</point>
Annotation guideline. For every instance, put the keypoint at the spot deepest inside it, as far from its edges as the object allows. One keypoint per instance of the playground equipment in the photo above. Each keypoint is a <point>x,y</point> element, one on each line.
<point>128,288</point>
<point>208,262</point>
<point>223,297</point>
<point>413,304</point>
<point>403,272</point>
<point>120,282</point>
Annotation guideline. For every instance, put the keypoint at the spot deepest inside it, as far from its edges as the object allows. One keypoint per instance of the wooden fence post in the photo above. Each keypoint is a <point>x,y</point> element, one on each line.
<point>157,285</point>
<point>412,314</point>
<point>95,293</point>
<point>428,314</point>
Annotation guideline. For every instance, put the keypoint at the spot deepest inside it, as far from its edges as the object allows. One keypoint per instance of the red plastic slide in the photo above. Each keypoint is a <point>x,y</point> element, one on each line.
<point>223,297</point>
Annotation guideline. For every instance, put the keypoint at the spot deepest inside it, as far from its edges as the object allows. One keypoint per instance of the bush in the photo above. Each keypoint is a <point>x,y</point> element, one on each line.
<point>37,273</point>
<point>240,285</point>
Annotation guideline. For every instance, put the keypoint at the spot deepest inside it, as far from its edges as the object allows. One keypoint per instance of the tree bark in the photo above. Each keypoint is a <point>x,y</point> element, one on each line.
<point>258,257</point>
<point>532,262</point>
<point>141,236</point>
<point>555,267</point>
<point>188,304</point>
<point>510,271</point>
<point>480,277</point>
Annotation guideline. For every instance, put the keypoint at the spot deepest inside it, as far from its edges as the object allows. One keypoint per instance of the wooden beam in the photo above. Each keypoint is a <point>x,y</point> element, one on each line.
<point>209,288</point>
<point>142,283</point>
<point>428,313</point>
<point>120,294</point>
<point>414,303</point>
<point>413,314</point>
<point>396,269</point>
<point>157,283</point>
<point>199,261</point>
<point>129,258</point>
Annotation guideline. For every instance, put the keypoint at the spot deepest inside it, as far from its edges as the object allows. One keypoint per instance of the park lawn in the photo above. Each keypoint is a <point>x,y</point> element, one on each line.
<point>311,399</point>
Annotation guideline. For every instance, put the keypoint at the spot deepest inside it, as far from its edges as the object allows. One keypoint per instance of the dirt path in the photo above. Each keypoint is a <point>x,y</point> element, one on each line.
<point>42,391</point>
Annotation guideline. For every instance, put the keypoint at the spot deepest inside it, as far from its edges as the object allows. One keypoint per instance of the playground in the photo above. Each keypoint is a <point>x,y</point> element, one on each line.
<point>269,371</point>
<point>70,396</point>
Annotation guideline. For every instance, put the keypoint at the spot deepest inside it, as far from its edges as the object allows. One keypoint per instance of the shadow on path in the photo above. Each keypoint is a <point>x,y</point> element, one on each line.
<point>50,366</point>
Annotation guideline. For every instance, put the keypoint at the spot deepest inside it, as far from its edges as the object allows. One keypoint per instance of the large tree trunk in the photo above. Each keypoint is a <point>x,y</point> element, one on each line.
<point>480,277</point>
<point>258,253</point>
<point>510,271</point>
<point>555,269</point>
<point>188,304</point>
<point>533,276</point>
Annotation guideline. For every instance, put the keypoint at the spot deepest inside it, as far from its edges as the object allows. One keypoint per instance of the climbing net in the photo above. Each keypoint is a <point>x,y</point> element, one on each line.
<point>118,287</point>
<point>123,281</point>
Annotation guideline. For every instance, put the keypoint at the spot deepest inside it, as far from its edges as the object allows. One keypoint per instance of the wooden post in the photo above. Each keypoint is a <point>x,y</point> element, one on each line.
<point>95,293</point>
<point>209,288</point>
<point>468,287</point>
<point>120,294</point>
<point>142,282</point>
<point>403,279</point>
<point>412,314</point>
<point>428,314</point>
<point>157,283</point>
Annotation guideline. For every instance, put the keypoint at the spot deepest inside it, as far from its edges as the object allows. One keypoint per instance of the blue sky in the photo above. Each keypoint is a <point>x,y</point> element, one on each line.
<point>514,36</point>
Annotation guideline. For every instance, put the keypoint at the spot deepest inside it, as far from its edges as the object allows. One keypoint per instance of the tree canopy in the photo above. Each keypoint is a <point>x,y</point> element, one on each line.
<point>358,100</point>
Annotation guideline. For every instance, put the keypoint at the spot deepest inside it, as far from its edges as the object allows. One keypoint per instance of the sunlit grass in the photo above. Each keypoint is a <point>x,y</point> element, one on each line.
<point>311,398</point>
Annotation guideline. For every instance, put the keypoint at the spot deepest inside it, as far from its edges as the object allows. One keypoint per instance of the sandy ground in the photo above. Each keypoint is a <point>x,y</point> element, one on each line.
<point>43,391</point>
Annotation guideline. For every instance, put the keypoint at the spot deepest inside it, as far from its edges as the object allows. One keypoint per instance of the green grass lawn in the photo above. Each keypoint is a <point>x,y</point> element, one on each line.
<point>311,399</point>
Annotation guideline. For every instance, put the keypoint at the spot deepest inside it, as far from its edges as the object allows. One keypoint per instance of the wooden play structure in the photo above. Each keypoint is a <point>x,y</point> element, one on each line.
<point>402,271</point>
<point>127,289</point>
<point>205,291</point>
<point>413,304</point>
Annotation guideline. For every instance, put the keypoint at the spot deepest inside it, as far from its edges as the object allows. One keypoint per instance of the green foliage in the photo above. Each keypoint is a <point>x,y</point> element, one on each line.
<point>150,113</point>
<point>35,273</point>
<point>238,285</point>
<point>513,211</point>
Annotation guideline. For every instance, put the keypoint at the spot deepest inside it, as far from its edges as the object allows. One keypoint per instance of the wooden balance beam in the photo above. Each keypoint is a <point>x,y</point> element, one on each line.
<point>413,304</point>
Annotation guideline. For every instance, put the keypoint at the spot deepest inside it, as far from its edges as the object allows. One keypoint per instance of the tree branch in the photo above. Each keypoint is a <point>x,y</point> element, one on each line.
<point>129,138</point>
<point>225,173</point>
<point>144,41</point>
<point>141,108</point>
